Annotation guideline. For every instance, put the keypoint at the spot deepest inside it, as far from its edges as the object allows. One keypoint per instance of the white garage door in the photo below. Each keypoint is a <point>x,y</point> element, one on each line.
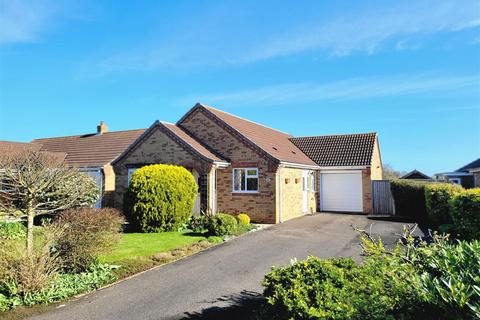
<point>341,191</point>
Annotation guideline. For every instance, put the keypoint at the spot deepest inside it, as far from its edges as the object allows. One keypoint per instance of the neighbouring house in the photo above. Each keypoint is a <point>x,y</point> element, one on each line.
<point>243,166</point>
<point>467,176</point>
<point>416,175</point>
<point>93,153</point>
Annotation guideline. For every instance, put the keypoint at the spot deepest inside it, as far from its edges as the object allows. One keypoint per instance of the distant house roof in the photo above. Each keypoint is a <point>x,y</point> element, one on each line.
<point>472,165</point>
<point>273,143</point>
<point>415,175</point>
<point>13,147</point>
<point>180,136</point>
<point>339,150</point>
<point>91,150</point>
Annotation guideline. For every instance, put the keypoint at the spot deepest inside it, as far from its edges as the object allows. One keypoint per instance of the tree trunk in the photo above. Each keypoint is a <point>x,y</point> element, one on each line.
<point>30,233</point>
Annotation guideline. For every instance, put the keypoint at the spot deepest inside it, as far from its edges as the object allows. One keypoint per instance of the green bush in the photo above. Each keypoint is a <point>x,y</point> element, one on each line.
<point>337,289</point>
<point>160,197</point>
<point>86,234</point>
<point>243,219</point>
<point>437,201</point>
<point>12,230</point>
<point>409,198</point>
<point>222,224</point>
<point>466,213</point>
<point>451,279</point>
<point>61,287</point>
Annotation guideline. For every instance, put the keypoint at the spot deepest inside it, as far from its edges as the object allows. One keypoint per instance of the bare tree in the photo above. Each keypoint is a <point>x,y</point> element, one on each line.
<point>389,173</point>
<point>34,183</point>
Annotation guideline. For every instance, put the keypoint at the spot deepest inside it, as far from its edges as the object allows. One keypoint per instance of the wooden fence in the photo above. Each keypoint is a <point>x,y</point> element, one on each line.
<point>382,198</point>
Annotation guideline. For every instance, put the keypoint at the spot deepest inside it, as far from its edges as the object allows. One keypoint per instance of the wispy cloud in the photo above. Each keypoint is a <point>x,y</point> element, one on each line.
<point>23,21</point>
<point>366,31</point>
<point>351,89</point>
<point>213,40</point>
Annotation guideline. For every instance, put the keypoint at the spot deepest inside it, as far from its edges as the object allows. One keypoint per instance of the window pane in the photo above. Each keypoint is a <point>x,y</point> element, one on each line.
<point>238,179</point>
<point>252,184</point>
<point>252,172</point>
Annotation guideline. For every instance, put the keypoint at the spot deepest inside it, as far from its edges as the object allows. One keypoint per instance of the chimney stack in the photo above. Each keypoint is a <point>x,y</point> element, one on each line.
<point>102,128</point>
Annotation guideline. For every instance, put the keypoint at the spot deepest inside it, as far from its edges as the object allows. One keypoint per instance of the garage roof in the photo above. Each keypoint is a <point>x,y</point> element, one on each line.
<point>338,150</point>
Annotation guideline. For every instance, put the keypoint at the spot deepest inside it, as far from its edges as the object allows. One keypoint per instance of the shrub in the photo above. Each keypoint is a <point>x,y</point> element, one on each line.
<point>12,230</point>
<point>198,223</point>
<point>409,198</point>
<point>243,219</point>
<point>61,287</point>
<point>160,197</point>
<point>437,201</point>
<point>222,224</point>
<point>466,213</point>
<point>336,289</point>
<point>451,279</point>
<point>22,273</point>
<point>87,234</point>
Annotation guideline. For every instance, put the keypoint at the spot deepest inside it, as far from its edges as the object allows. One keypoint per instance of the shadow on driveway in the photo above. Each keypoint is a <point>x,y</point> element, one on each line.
<point>244,305</point>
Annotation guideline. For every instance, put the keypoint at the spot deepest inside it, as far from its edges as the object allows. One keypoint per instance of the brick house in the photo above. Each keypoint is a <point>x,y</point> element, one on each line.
<point>93,153</point>
<point>243,166</point>
<point>467,176</point>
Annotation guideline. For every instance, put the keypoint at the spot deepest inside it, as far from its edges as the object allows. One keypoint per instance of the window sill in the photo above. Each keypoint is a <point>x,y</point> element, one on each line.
<point>245,192</point>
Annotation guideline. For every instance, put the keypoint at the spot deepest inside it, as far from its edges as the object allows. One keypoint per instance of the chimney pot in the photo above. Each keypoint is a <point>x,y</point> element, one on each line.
<point>102,128</point>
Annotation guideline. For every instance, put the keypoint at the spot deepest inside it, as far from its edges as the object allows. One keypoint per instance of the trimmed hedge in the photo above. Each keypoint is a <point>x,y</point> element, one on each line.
<point>409,197</point>
<point>160,197</point>
<point>466,213</point>
<point>222,224</point>
<point>437,201</point>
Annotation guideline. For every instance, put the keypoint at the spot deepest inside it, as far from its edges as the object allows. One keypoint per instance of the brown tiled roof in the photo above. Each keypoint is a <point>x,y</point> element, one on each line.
<point>339,150</point>
<point>13,147</point>
<point>193,143</point>
<point>91,150</point>
<point>275,143</point>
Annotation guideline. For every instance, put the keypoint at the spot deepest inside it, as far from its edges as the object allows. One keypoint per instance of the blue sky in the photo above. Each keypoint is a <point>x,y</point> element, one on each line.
<point>409,70</point>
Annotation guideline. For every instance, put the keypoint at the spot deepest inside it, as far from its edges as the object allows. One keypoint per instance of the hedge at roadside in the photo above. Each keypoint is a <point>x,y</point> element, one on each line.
<point>465,211</point>
<point>409,198</point>
<point>160,198</point>
<point>437,200</point>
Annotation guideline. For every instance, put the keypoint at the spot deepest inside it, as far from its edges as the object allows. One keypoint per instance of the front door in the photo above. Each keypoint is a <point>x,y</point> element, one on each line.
<point>305,191</point>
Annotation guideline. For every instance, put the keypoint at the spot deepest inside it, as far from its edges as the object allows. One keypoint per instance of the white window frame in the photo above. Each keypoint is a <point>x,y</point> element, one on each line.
<point>455,180</point>
<point>313,182</point>
<point>130,173</point>
<point>247,176</point>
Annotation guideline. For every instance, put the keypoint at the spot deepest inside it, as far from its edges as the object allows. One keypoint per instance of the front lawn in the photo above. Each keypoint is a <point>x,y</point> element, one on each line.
<point>142,245</point>
<point>140,251</point>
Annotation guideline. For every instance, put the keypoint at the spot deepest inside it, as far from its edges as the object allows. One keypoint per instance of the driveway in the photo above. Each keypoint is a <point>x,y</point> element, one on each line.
<point>224,281</point>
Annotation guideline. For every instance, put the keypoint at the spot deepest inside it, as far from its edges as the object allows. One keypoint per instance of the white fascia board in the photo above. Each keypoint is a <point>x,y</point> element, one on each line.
<point>299,165</point>
<point>221,164</point>
<point>344,168</point>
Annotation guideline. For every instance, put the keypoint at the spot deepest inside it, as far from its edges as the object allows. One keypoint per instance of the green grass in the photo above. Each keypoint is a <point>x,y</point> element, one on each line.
<point>143,245</point>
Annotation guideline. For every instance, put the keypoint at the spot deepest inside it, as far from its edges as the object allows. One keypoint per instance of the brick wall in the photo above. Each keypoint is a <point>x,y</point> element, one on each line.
<point>367,191</point>
<point>260,206</point>
<point>376,167</point>
<point>156,148</point>
<point>108,186</point>
<point>292,194</point>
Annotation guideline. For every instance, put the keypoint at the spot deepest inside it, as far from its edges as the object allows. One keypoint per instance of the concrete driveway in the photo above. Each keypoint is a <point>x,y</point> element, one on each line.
<point>224,281</point>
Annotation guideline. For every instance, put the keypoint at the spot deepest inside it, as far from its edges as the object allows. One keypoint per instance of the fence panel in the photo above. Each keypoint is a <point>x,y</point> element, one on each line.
<point>382,197</point>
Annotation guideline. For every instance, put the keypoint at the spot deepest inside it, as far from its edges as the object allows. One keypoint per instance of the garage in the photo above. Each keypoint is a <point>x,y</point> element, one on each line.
<point>341,191</point>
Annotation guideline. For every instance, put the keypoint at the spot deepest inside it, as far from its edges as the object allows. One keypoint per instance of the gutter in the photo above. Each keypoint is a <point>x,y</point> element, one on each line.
<point>299,165</point>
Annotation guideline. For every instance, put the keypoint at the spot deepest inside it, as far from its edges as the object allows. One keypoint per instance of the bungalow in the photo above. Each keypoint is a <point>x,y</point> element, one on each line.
<point>467,176</point>
<point>93,153</point>
<point>243,166</point>
<point>416,175</point>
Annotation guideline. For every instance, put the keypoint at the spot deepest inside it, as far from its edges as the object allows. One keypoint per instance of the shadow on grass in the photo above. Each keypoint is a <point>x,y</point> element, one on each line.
<point>245,305</point>
<point>195,234</point>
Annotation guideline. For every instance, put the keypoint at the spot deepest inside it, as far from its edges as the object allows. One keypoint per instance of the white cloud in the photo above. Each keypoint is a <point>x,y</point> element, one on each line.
<point>24,21</point>
<point>216,41</point>
<point>351,89</point>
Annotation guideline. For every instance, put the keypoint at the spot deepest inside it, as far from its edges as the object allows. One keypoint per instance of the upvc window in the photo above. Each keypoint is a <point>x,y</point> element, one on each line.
<point>313,181</point>
<point>245,180</point>
<point>130,172</point>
